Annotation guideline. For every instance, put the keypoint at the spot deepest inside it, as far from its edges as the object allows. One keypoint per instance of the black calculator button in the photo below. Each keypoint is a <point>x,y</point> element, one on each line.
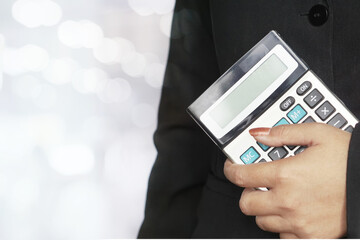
<point>309,120</point>
<point>287,103</point>
<point>349,129</point>
<point>303,88</point>
<point>277,153</point>
<point>325,110</point>
<point>337,121</point>
<point>300,150</point>
<point>313,98</point>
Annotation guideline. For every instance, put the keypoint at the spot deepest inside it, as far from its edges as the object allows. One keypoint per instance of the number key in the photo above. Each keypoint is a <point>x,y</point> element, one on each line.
<point>278,153</point>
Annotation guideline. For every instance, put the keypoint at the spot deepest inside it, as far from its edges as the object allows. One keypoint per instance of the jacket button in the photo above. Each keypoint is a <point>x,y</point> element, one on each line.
<point>318,15</point>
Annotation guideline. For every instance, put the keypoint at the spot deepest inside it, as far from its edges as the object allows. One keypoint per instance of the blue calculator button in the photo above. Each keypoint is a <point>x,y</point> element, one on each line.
<point>250,156</point>
<point>296,114</point>
<point>282,121</point>
<point>263,146</point>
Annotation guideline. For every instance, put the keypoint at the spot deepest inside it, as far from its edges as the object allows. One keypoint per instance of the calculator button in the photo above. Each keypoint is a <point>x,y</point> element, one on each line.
<point>296,114</point>
<point>300,150</point>
<point>262,160</point>
<point>291,147</point>
<point>338,121</point>
<point>313,98</point>
<point>282,121</point>
<point>309,120</point>
<point>325,110</point>
<point>349,129</point>
<point>303,88</point>
<point>278,153</point>
<point>250,156</point>
<point>263,146</point>
<point>287,103</point>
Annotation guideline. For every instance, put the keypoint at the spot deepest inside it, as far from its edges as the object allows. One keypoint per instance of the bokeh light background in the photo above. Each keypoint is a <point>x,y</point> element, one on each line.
<point>79,90</point>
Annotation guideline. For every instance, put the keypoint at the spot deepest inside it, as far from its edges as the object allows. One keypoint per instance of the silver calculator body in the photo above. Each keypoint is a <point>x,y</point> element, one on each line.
<point>269,86</point>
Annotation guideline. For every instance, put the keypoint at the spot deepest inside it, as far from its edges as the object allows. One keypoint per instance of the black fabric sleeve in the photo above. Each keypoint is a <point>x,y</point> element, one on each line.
<point>183,160</point>
<point>353,186</point>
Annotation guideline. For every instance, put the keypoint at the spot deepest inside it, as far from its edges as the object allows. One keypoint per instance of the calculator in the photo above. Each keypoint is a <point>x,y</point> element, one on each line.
<point>269,86</point>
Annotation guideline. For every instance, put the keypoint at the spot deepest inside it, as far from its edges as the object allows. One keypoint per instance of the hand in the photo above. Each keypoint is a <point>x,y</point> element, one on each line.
<point>306,197</point>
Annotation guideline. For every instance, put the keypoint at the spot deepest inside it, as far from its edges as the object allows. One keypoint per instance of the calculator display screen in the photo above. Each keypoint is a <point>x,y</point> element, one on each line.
<point>239,98</point>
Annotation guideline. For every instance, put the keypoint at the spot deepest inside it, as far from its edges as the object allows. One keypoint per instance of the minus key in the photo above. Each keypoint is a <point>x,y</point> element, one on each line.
<point>337,121</point>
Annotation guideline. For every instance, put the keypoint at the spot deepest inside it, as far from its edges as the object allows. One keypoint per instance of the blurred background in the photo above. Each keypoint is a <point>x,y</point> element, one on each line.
<point>79,91</point>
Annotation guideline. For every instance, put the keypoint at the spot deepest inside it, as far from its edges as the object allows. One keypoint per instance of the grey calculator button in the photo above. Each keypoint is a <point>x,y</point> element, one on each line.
<point>303,88</point>
<point>337,121</point>
<point>278,153</point>
<point>309,120</point>
<point>287,103</point>
<point>313,98</point>
<point>349,129</point>
<point>291,147</point>
<point>262,160</point>
<point>325,110</point>
<point>300,150</point>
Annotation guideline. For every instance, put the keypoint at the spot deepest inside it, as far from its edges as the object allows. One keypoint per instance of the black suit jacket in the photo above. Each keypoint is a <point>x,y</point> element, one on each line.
<point>188,194</point>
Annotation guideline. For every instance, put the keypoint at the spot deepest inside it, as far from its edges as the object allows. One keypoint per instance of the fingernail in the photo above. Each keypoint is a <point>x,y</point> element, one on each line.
<point>255,132</point>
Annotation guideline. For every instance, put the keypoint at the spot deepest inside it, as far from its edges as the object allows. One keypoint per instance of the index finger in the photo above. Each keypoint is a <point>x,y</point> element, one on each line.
<point>252,175</point>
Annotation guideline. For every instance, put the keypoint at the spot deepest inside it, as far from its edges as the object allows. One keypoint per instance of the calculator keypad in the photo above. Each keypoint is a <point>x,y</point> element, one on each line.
<point>295,112</point>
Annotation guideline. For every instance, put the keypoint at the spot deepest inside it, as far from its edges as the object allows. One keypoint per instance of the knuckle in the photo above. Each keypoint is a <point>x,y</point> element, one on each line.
<point>282,175</point>
<point>289,204</point>
<point>244,206</point>
<point>301,226</point>
<point>260,223</point>
<point>239,178</point>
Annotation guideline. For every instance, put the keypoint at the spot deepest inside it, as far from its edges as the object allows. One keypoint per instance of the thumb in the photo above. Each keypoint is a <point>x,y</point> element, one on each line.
<point>306,134</point>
